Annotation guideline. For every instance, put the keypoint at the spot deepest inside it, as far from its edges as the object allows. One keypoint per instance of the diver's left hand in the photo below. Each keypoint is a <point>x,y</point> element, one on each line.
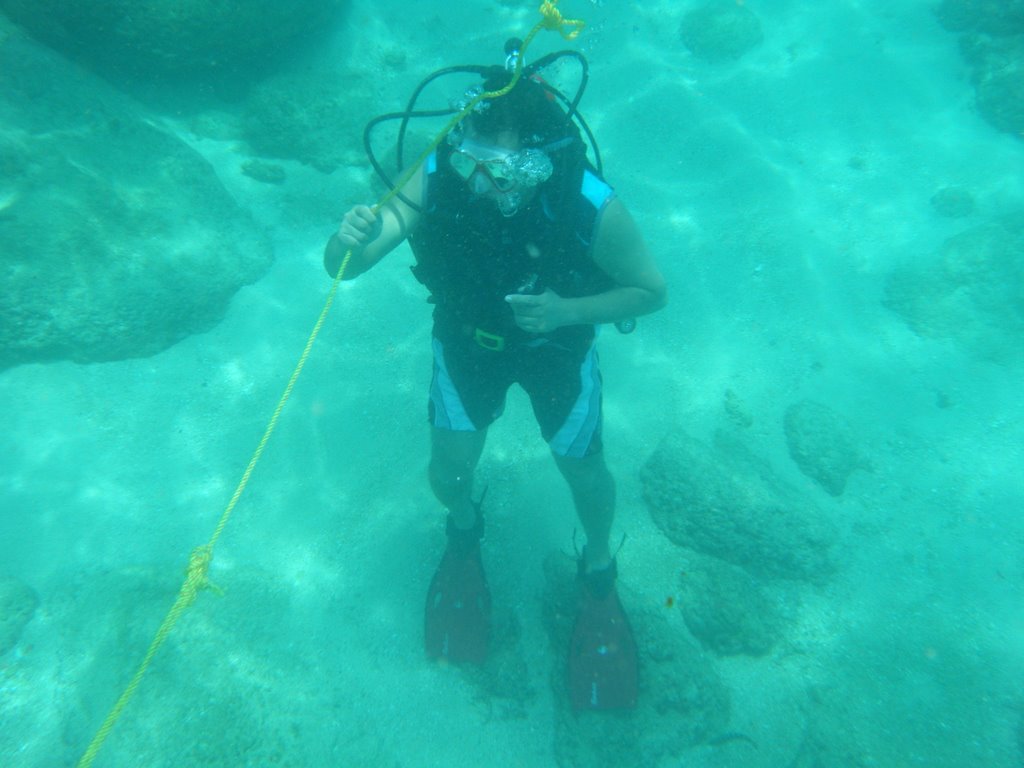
<point>539,313</point>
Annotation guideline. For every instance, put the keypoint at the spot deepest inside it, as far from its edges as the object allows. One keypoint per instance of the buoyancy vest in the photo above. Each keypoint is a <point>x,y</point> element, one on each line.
<point>470,257</point>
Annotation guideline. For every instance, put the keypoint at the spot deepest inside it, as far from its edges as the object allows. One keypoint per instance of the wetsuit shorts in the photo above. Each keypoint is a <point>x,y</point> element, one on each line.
<point>467,392</point>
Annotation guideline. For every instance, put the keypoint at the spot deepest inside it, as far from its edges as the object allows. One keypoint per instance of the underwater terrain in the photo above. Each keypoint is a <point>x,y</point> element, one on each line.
<point>818,443</point>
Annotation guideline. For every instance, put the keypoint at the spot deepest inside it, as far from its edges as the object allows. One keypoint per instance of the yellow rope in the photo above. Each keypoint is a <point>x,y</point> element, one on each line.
<point>199,561</point>
<point>553,20</point>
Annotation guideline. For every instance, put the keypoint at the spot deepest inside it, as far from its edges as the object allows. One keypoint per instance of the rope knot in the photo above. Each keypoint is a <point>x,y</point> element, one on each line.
<point>195,573</point>
<point>554,20</point>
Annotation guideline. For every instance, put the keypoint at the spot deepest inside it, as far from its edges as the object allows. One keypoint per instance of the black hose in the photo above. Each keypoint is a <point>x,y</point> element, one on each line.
<point>368,145</point>
<point>483,72</point>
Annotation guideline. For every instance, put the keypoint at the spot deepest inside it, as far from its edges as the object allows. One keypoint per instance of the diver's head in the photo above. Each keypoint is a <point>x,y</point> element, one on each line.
<point>511,145</point>
<point>528,109</point>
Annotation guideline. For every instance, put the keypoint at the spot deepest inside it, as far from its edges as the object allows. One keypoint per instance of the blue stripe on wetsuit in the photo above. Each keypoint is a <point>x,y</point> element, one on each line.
<point>576,433</point>
<point>449,412</point>
<point>596,190</point>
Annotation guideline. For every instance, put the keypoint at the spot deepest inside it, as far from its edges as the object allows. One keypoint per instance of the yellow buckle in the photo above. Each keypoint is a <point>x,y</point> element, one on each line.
<point>489,341</point>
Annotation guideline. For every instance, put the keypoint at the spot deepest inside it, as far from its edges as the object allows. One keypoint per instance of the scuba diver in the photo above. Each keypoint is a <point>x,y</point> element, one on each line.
<point>525,250</point>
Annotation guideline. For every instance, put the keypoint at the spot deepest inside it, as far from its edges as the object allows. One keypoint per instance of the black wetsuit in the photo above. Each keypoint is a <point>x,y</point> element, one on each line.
<point>470,258</point>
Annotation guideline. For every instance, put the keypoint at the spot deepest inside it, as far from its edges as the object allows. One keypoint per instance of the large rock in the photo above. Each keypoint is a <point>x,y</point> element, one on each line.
<point>173,36</point>
<point>953,202</point>
<point>727,609</point>
<point>312,120</point>
<point>972,292</point>
<point>721,31</point>
<point>994,17</point>
<point>722,501</point>
<point>118,239</point>
<point>821,443</point>
<point>18,602</point>
<point>992,42</point>
<point>997,70</point>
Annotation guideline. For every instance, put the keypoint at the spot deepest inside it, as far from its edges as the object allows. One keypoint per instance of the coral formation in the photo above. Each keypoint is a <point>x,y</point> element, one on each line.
<point>953,202</point>
<point>992,42</point>
<point>173,36</point>
<point>726,609</point>
<point>721,31</point>
<point>972,292</point>
<point>822,445</point>
<point>306,119</point>
<point>119,239</point>
<point>722,501</point>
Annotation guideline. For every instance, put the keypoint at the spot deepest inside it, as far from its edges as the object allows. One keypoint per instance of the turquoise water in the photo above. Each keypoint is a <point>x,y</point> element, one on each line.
<point>839,220</point>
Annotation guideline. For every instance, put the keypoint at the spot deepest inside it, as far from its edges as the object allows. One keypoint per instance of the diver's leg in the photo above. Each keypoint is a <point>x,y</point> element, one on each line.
<point>593,492</point>
<point>453,459</point>
<point>457,622</point>
<point>603,660</point>
<point>603,663</point>
<point>565,390</point>
<point>465,396</point>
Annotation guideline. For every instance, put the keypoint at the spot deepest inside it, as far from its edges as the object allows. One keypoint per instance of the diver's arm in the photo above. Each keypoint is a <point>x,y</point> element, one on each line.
<point>372,237</point>
<point>619,250</point>
<point>621,253</point>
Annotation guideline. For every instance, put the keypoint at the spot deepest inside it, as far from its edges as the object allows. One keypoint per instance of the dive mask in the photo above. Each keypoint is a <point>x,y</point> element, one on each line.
<point>505,168</point>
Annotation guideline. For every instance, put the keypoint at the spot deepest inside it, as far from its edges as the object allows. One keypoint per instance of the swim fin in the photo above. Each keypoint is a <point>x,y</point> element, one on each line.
<point>603,661</point>
<point>457,623</point>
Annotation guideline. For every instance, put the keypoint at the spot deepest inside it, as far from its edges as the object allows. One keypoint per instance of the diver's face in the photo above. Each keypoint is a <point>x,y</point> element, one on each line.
<point>497,168</point>
<point>479,160</point>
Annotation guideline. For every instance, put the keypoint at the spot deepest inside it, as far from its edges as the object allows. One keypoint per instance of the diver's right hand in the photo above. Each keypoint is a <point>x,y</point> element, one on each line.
<point>360,226</point>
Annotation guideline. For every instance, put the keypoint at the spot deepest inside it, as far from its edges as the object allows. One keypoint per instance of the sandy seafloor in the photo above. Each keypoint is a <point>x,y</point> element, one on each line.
<point>776,247</point>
